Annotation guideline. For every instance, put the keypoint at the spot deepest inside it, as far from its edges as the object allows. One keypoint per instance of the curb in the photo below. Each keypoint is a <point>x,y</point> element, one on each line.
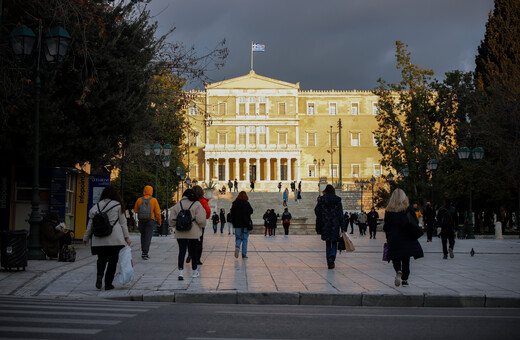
<point>304,298</point>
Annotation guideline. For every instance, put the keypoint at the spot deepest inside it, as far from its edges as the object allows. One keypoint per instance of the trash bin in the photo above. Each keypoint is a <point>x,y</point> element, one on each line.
<point>13,249</point>
<point>461,232</point>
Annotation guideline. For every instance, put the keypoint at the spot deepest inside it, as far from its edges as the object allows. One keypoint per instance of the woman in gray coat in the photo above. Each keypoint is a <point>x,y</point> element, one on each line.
<point>188,239</point>
<point>107,247</point>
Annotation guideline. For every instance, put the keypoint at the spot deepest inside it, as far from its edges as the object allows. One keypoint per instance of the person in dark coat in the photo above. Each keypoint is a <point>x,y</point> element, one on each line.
<point>222,216</point>
<point>53,235</point>
<point>286,221</point>
<point>372,222</point>
<point>353,219</point>
<point>429,220</point>
<point>401,245</point>
<point>241,212</point>
<point>273,219</point>
<point>215,220</point>
<point>329,218</point>
<point>266,222</point>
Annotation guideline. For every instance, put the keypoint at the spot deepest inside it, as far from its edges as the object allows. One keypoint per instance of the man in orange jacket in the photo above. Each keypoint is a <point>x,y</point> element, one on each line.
<point>148,218</point>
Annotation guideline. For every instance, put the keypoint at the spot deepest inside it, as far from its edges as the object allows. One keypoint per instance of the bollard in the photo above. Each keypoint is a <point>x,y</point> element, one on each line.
<point>498,231</point>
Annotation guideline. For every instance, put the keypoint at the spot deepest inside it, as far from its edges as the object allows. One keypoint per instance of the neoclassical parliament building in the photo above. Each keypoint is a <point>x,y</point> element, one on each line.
<point>255,128</point>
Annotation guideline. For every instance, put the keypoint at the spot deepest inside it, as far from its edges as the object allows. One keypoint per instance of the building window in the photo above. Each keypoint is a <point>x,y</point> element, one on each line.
<point>311,138</point>
<point>221,108</point>
<point>377,170</point>
<point>332,109</point>
<point>251,130</point>
<point>222,138</point>
<point>312,170</point>
<point>262,106</point>
<point>310,109</point>
<point>252,106</point>
<point>354,139</point>
<point>281,108</point>
<point>261,135</point>
<point>194,136</point>
<point>333,170</point>
<point>193,110</point>
<point>355,108</point>
<point>334,139</point>
<point>242,135</point>
<point>355,170</point>
<point>194,170</point>
<point>241,106</point>
<point>375,109</point>
<point>282,138</point>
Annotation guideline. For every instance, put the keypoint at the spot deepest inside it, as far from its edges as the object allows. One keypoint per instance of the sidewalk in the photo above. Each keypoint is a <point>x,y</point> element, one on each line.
<point>290,270</point>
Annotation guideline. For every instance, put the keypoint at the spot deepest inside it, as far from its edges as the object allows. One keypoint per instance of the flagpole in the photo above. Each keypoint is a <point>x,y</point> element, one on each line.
<point>251,55</point>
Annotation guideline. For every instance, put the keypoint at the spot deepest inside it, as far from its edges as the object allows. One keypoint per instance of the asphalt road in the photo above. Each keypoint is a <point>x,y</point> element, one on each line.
<point>31,318</point>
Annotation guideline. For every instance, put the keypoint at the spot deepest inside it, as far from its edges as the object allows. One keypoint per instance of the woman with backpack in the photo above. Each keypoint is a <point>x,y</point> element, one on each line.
<point>107,247</point>
<point>241,212</point>
<point>188,217</point>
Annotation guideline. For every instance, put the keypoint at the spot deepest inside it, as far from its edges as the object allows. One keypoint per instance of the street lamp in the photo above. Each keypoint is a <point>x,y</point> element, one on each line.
<point>471,156</point>
<point>166,165</point>
<point>373,182</point>
<point>319,163</point>
<point>432,166</point>
<point>158,149</point>
<point>178,173</point>
<point>183,176</point>
<point>55,45</point>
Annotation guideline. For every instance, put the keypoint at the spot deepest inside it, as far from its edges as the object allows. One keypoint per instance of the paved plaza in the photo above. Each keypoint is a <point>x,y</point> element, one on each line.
<point>290,270</point>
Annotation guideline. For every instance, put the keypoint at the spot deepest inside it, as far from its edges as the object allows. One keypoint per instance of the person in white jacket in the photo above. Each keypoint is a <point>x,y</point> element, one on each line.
<point>107,247</point>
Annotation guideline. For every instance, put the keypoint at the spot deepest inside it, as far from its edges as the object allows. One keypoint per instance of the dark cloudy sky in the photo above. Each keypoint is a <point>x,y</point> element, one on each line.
<point>329,44</point>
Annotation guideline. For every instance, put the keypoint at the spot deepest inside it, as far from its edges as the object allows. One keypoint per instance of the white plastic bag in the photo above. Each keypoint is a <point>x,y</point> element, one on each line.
<point>127,265</point>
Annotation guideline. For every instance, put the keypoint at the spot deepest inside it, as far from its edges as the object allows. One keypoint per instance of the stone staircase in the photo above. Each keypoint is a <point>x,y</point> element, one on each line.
<point>303,218</point>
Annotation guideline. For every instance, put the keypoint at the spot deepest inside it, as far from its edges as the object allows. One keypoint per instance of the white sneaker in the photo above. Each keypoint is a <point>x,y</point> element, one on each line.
<point>397,280</point>
<point>195,274</point>
<point>181,277</point>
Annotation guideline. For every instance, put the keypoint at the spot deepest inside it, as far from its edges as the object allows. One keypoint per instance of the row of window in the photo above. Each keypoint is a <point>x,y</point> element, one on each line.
<point>254,107</point>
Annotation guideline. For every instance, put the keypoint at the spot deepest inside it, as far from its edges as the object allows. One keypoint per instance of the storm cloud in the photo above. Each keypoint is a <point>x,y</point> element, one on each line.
<point>329,44</point>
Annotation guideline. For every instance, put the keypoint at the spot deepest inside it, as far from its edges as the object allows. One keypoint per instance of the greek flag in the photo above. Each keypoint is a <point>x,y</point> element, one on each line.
<point>258,48</point>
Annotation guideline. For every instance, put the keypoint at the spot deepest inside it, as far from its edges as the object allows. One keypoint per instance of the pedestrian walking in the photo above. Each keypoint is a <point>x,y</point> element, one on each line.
<point>230,185</point>
<point>353,220</point>
<point>279,186</point>
<point>149,215</point>
<point>266,218</point>
<point>107,247</point>
<point>300,186</point>
<point>296,195</point>
<point>222,216</point>
<point>187,239</point>
<point>293,186</point>
<point>215,220</point>
<point>273,220</point>
<point>285,196</point>
<point>299,196</point>
<point>230,228</point>
<point>447,221</point>
<point>199,192</point>
<point>362,222</point>
<point>286,221</point>
<point>329,222</point>
<point>236,185</point>
<point>372,222</point>
<point>252,185</point>
<point>402,244</point>
<point>241,212</point>
<point>429,221</point>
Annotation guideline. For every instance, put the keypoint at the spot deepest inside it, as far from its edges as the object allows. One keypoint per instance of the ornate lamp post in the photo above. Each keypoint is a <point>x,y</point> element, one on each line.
<point>432,166</point>
<point>158,149</point>
<point>471,156</point>
<point>55,45</point>
<point>319,163</point>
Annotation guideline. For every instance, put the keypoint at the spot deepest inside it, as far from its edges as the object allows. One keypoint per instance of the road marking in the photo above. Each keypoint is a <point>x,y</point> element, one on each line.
<point>12,311</point>
<point>68,331</point>
<point>122,308</point>
<point>60,321</point>
<point>378,315</point>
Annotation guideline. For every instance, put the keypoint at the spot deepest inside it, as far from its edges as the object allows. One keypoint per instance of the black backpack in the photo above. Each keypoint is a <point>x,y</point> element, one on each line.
<point>184,219</point>
<point>444,218</point>
<point>101,224</point>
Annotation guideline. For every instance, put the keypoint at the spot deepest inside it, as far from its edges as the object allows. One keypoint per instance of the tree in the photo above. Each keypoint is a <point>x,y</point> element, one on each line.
<point>497,120</point>
<point>418,120</point>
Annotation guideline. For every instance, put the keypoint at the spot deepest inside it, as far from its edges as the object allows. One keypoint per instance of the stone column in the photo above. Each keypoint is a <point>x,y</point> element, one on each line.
<point>206,174</point>
<point>298,177</point>
<point>216,169</point>
<point>248,179</point>
<point>226,170</point>
<point>258,168</point>
<point>278,169</point>
<point>289,172</point>
<point>237,169</point>
<point>268,169</point>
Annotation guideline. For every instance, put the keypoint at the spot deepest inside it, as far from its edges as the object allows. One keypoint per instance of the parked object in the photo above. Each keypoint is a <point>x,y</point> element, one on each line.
<point>13,246</point>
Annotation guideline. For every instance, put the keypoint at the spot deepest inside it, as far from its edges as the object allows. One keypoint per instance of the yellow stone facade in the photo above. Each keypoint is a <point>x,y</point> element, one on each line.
<point>262,129</point>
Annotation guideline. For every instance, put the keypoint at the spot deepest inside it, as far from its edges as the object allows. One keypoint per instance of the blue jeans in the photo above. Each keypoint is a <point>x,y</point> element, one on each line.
<point>241,236</point>
<point>215,226</point>
<point>222,225</point>
<point>331,248</point>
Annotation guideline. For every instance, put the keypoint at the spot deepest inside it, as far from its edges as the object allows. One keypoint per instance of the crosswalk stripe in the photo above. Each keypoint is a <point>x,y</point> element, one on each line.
<point>123,309</point>
<point>82,303</point>
<point>68,331</point>
<point>121,315</point>
<point>60,321</point>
